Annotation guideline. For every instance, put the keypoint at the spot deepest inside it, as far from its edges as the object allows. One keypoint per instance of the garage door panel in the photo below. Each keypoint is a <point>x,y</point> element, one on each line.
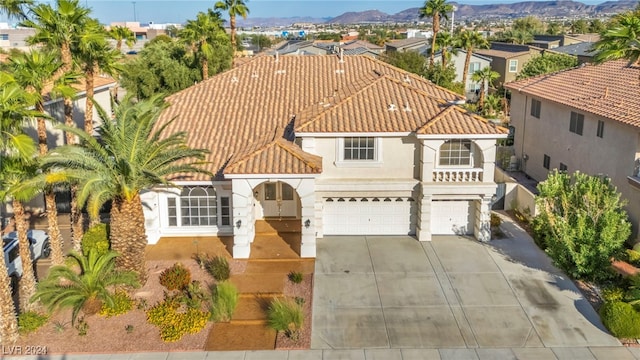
<point>452,217</point>
<point>368,216</point>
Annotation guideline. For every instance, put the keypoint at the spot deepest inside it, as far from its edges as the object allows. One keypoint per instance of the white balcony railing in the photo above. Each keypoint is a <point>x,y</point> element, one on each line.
<point>457,175</point>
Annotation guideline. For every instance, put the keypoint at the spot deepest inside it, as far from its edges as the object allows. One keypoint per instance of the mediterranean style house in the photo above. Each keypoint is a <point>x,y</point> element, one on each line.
<point>586,119</point>
<point>345,145</point>
<point>478,62</point>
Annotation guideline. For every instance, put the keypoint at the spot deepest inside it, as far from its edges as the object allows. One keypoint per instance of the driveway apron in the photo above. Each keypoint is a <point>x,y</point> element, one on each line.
<point>453,292</point>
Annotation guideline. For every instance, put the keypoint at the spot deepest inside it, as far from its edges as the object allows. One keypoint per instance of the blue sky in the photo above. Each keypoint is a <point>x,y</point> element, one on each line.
<point>177,11</point>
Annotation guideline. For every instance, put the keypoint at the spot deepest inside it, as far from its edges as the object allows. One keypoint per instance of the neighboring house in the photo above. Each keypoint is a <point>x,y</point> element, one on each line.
<point>418,44</point>
<point>555,41</point>
<point>478,62</point>
<point>581,50</point>
<point>344,145</point>
<point>586,119</point>
<point>359,45</point>
<point>299,47</point>
<point>508,59</point>
<point>14,38</point>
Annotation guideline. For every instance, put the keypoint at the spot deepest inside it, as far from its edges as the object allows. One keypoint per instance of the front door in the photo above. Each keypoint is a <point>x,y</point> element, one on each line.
<point>279,200</point>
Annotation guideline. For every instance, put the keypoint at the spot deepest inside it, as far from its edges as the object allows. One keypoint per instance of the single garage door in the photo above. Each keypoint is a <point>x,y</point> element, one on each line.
<point>369,216</point>
<point>452,217</point>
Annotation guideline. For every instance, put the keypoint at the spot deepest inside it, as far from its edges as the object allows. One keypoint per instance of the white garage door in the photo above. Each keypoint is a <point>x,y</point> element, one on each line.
<point>369,216</point>
<point>452,217</point>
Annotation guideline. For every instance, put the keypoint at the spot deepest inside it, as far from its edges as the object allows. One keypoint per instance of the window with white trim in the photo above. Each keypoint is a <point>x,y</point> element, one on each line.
<point>473,67</point>
<point>513,66</point>
<point>455,152</point>
<point>359,148</point>
<point>198,206</point>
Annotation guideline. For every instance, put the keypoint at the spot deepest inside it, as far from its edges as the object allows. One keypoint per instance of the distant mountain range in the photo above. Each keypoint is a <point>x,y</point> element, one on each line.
<point>559,8</point>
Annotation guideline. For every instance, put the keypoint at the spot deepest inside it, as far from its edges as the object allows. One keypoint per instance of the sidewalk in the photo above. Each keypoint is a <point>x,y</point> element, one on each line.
<point>582,353</point>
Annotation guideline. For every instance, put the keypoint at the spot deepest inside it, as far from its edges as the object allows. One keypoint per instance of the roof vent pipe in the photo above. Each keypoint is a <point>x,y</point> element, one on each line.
<point>277,56</point>
<point>341,55</point>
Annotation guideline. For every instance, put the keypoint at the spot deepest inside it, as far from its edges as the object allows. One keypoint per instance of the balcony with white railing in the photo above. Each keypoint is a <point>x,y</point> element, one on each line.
<point>457,175</point>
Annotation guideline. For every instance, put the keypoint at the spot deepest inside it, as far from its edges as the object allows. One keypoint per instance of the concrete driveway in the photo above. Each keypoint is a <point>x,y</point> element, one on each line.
<point>453,292</point>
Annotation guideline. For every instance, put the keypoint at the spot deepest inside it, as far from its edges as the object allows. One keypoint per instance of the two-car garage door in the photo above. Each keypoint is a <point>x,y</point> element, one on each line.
<point>369,216</point>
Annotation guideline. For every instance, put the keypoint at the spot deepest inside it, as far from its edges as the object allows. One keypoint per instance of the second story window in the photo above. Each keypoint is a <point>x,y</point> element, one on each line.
<point>456,152</point>
<point>535,108</point>
<point>577,122</point>
<point>546,161</point>
<point>473,67</point>
<point>360,148</point>
<point>513,66</point>
<point>600,131</point>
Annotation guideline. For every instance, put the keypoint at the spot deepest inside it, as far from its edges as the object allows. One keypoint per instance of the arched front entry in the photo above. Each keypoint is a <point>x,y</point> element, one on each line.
<point>258,199</point>
<point>276,200</point>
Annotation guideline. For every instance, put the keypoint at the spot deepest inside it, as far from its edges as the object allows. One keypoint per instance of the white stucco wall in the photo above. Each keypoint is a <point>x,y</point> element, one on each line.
<point>612,155</point>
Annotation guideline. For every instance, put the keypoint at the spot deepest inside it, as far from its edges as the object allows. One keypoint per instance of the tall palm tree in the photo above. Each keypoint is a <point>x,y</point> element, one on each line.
<point>15,106</point>
<point>235,8</point>
<point>201,35</point>
<point>485,77</point>
<point>35,70</point>
<point>134,153</point>
<point>622,41</point>
<point>470,40</point>
<point>120,34</point>
<point>58,29</point>
<point>435,9</point>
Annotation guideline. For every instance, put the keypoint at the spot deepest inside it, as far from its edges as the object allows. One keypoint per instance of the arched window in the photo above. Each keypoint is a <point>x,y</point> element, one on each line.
<point>198,206</point>
<point>456,152</point>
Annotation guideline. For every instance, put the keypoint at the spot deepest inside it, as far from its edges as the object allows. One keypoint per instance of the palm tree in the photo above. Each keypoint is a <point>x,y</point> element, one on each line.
<point>622,41</point>
<point>235,8</point>
<point>470,40</point>
<point>15,106</point>
<point>15,8</point>
<point>444,41</point>
<point>435,9</point>
<point>485,77</point>
<point>554,28</point>
<point>134,153</point>
<point>87,290</point>
<point>35,70</point>
<point>58,29</point>
<point>201,35</point>
<point>120,34</point>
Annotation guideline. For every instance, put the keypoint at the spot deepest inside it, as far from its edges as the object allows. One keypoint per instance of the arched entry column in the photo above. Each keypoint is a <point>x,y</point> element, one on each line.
<point>243,205</point>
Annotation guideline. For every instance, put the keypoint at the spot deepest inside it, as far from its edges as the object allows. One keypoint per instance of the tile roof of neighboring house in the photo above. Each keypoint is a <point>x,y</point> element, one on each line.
<point>500,53</point>
<point>356,44</point>
<point>240,115</point>
<point>578,49</point>
<point>406,42</point>
<point>360,51</point>
<point>98,81</point>
<point>609,90</point>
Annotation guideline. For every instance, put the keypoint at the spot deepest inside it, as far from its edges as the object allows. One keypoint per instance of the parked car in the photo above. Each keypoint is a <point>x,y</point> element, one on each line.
<point>40,248</point>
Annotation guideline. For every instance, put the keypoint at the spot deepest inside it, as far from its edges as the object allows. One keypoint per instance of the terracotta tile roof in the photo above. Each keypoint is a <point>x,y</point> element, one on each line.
<point>99,81</point>
<point>609,90</point>
<point>277,157</point>
<point>242,112</point>
<point>456,120</point>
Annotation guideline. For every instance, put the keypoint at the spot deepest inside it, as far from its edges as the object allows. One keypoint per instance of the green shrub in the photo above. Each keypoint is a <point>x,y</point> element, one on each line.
<point>224,299</point>
<point>295,277</point>
<point>176,277</point>
<point>285,314</point>
<point>622,320</point>
<point>612,294</point>
<point>175,323</point>
<point>122,304</point>
<point>31,321</point>
<point>96,238</point>
<point>633,256</point>
<point>583,223</point>
<point>495,220</point>
<point>194,295</point>
<point>218,267</point>
<point>636,247</point>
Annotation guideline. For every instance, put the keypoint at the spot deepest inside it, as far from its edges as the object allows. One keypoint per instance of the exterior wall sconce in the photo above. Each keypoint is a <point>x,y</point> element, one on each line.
<point>238,224</point>
<point>307,223</point>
